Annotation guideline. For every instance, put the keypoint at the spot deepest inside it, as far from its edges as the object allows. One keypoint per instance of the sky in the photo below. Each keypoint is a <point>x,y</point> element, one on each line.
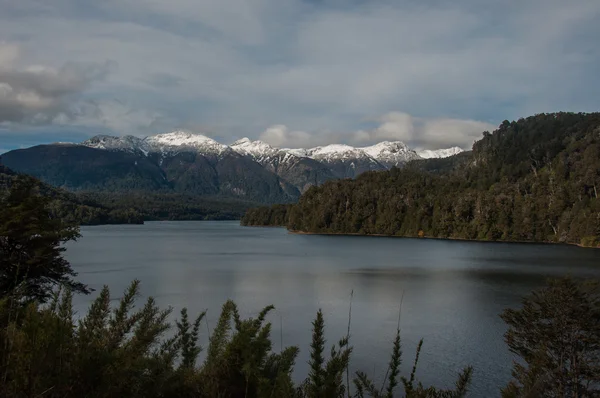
<point>294,73</point>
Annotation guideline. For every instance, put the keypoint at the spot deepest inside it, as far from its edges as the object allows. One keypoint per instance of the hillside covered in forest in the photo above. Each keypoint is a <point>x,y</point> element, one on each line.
<point>535,179</point>
<point>67,206</point>
<point>96,208</point>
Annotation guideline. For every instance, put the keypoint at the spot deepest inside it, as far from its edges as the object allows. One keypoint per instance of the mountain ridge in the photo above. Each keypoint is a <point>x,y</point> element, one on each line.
<point>390,152</point>
<point>183,162</point>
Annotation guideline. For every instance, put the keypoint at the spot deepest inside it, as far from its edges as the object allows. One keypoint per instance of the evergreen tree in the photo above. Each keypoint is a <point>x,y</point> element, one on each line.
<point>557,335</point>
<point>31,239</point>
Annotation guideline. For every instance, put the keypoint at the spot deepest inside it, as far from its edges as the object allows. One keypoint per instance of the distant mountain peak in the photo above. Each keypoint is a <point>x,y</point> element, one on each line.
<point>344,160</point>
<point>391,153</point>
<point>174,141</point>
<point>110,142</point>
<point>439,153</point>
<point>182,138</point>
<point>242,141</point>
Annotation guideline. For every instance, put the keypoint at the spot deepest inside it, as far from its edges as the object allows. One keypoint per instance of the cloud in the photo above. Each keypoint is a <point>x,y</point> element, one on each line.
<point>38,94</point>
<point>280,136</point>
<point>419,133</point>
<point>114,116</point>
<point>425,133</point>
<point>444,133</point>
<point>327,66</point>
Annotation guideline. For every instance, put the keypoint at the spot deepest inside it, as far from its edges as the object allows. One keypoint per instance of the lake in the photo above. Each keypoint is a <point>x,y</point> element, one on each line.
<point>453,291</point>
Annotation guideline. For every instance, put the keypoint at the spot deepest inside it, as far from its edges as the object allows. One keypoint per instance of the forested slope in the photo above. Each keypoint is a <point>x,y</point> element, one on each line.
<point>68,206</point>
<point>535,179</point>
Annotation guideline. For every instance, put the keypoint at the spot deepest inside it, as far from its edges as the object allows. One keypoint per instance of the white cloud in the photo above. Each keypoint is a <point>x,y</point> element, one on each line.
<point>419,133</point>
<point>280,136</point>
<point>443,133</point>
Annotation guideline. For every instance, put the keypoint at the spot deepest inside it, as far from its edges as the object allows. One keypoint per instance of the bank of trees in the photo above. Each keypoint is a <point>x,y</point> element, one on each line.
<point>71,208</point>
<point>536,179</point>
<point>273,216</point>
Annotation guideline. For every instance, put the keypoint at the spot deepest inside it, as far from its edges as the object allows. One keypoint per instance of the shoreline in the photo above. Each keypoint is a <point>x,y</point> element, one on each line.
<point>434,238</point>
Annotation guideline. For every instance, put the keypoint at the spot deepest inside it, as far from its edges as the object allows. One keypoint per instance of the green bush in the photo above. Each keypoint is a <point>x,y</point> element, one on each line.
<point>121,351</point>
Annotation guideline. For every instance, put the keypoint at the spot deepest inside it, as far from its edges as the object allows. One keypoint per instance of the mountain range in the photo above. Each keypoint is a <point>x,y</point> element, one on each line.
<point>185,162</point>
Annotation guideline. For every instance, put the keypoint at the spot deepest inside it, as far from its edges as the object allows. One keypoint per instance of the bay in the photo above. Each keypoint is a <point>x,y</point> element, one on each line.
<point>451,292</point>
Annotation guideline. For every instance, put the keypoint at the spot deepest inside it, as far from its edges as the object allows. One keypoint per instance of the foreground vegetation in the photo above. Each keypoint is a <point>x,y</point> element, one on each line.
<point>122,351</point>
<point>536,179</point>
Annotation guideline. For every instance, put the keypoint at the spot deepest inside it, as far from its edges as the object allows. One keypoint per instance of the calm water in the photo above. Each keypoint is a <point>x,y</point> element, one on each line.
<point>453,291</point>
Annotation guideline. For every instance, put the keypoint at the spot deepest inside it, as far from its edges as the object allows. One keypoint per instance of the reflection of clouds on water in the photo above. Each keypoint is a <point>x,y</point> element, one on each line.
<point>453,291</point>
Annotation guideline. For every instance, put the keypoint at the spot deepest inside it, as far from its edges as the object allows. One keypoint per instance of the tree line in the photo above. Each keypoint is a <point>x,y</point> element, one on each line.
<point>535,179</point>
<point>134,207</point>
<point>73,208</point>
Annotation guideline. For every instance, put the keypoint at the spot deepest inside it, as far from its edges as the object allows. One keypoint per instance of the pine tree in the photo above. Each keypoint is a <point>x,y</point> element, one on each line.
<point>557,335</point>
<point>31,239</point>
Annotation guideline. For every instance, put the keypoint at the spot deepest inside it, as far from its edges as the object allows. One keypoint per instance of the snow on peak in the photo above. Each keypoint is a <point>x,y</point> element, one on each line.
<point>242,141</point>
<point>439,153</point>
<point>253,148</point>
<point>175,140</point>
<point>125,143</point>
<point>386,147</point>
<point>388,153</point>
<point>391,153</point>
<point>331,152</point>
<point>181,138</point>
<point>300,152</point>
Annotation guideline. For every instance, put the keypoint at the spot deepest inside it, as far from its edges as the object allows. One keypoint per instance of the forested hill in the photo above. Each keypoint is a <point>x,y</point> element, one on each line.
<point>69,206</point>
<point>536,179</point>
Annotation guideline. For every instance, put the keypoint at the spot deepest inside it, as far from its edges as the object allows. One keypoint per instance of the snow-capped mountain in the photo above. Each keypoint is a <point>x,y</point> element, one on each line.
<point>176,141</point>
<point>182,153</point>
<point>256,149</point>
<point>182,140</point>
<point>187,163</point>
<point>386,153</point>
<point>344,160</point>
<point>127,143</point>
<point>390,154</point>
<point>439,153</point>
<point>295,168</point>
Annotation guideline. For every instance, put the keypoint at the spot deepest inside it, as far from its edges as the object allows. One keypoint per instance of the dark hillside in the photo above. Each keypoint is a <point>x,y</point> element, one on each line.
<point>535,179</point>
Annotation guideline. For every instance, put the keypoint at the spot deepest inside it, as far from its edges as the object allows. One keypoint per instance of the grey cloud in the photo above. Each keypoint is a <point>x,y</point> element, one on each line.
<point>164,80</point>
<point>248,64</point>
<point>38,94</point>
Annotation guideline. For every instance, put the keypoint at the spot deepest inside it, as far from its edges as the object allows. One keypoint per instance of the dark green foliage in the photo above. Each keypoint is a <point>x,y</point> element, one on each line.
<point>71,208</point>
<point>325,379</point>
<point>171,206</point>
<point>276,215</point>
<point>189,336</point>
<point>532,180</point>
<point>317,348</point>
<point>94,208</point>
<point>31,238</point>
<point>365,387</point>
<point>121,351</point>
<point>557,335</point>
